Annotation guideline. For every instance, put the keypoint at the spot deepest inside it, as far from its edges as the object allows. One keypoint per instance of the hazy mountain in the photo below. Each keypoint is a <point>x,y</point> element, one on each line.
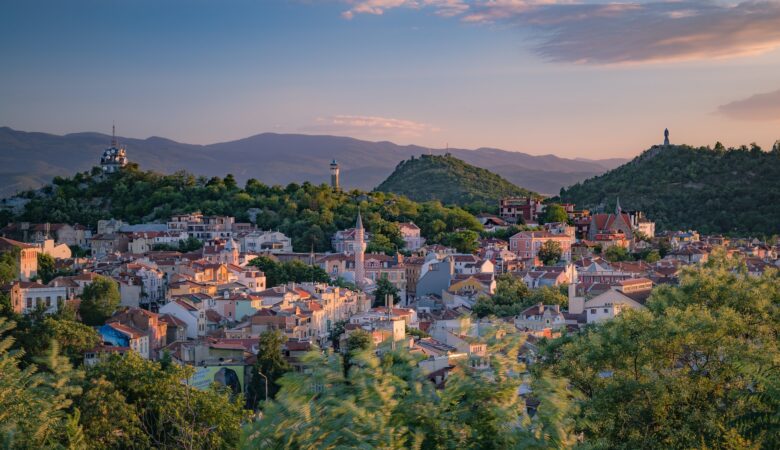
<point>449,179</point>
<point>29,160</point>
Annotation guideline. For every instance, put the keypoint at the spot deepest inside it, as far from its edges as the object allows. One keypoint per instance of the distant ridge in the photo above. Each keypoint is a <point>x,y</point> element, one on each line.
<point>450,180</point>
<point>31,159</point>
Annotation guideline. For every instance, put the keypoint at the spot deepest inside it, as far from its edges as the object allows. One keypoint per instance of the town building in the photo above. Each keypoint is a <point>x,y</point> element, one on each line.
<point>26,259</point>
<point>526,244</point>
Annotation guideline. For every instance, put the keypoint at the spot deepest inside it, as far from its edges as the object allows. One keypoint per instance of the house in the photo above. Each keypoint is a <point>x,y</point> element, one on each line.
<point>176,329</point>
<point>26,260</point>
<point>204,228</point>
<point>193,314</point>
<point>146,322</point>
<point>265,241</point>
<point>492,223</point>
<point>625,294</point>
<point>464,289</point>
<point>27,296</point>
<point>63,233</point>
<point>106,244</point>
<point>411,236</point>
<point>435,275</point>
<point>344,241</point>
<point>520,209</point>
<point>526,244</point>
<point>539,317</point>
<point>120,335</point>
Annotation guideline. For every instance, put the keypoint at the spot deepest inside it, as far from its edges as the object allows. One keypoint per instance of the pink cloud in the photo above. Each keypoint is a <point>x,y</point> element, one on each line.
<point>759,107</point>
<point>372,125</point>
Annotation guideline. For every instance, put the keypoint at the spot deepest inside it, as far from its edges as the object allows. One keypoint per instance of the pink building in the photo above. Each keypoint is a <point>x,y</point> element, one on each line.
<point>526,244</point>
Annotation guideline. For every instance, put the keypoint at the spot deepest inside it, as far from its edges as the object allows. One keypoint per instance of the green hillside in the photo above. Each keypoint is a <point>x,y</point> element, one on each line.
<point>309,214</point>
<point>735,190</point>
<point>450,180</point>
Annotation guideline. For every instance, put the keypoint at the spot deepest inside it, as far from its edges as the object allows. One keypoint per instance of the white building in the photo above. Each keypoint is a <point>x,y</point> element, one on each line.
<point>192,315</point>
<point>27,296</point>
<point>259,241</point>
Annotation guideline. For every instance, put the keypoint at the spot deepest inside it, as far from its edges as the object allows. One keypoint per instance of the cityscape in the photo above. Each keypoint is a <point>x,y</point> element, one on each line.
<point>362,281</point>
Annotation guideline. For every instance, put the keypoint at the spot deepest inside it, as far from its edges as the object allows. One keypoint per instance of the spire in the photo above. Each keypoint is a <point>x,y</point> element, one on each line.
<point>113,135</point>
<point>618,209</point>
<point>359,223</point>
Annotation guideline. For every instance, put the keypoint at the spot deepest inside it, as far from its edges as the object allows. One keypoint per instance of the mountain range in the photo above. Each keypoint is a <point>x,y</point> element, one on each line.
<point>30,159</point>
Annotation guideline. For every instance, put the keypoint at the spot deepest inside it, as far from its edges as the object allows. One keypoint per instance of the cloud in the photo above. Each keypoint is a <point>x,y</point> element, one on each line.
<point>759,107</point>
<point>591,32</point>
<point>372,125</point>
<point>447,8</point>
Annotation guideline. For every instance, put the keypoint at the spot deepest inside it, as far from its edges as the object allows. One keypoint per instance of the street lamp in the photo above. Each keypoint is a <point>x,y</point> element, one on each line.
<point>266,383</point>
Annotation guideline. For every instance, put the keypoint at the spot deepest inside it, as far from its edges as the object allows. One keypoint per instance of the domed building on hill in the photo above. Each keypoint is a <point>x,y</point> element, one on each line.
<point>114,157</point>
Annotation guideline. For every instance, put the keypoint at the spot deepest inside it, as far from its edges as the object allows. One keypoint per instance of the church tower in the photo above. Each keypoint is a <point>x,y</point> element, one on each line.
<point>229,254</point>
<point>334,175</point>
<point>360,249</point>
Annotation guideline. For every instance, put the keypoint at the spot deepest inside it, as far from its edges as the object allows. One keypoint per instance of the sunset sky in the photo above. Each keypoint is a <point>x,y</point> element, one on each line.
<point>578,79</point>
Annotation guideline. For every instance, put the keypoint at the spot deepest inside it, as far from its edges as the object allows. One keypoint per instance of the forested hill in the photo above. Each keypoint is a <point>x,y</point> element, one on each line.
<point>711,190</point>
<point>450,180</point>
<point>308,213</point>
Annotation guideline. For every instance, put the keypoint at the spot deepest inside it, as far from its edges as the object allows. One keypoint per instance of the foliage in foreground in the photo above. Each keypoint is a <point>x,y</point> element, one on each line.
<point>698,369</point>
<point>387,402</point>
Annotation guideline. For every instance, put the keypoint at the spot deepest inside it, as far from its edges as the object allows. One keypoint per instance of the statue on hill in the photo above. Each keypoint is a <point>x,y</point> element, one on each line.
<point>666,137</point>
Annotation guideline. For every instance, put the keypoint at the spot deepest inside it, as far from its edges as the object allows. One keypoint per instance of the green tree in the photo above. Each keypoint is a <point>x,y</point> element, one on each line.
<point>108,421</point>
<point>554,213</point>
<point>172,414</point>
<point>384,288</point>
<point>550,252</point>
<point>682,373</point>
<point>271,364</point>
<point>99,301</point>
<point>34,401</point>
<point>617,253</point>
<point>511,297</point>
<point>464,241</point>
<point>46,268</point>
<point>386,402</point>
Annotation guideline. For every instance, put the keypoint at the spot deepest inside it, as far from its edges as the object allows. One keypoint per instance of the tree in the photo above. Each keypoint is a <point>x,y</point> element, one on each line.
<point>554,213</point>
<point>464,241</point>
<point>384,288</point>
<point>386,402</point>
<point>107,419</point>
<point>510,298</point>
<point>172,414</point>
<point>548,295</point>
<point>34,400</point>
<point>46,268</point>
<point>653,256</point>
<point>682,373</point>
<point>99,301</point>
<point>617,253</point>
<point>336,330</point>
<point>550,252</point>
<point>270,366</point>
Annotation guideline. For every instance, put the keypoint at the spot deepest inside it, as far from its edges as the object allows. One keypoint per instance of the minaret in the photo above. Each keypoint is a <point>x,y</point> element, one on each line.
<point>334,175</point>
<point>360,248</point>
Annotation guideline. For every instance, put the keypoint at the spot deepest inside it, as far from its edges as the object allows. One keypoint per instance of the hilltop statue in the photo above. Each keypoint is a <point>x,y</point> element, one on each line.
<point>666,137</point>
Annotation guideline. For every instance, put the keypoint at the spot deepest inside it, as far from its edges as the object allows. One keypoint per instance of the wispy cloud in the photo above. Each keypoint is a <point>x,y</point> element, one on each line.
<point>759,107</point>
<point>382,127</point>
<point>593,32</point>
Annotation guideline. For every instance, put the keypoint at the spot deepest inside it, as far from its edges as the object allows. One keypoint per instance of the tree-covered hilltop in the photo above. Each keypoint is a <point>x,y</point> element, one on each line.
<point>449,180</point>
<point>713,190</point>
<point>308,213</point>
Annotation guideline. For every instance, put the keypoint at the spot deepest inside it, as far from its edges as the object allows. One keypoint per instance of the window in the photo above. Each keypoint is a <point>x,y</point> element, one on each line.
<point>593,311</point>
<point>606,310</point>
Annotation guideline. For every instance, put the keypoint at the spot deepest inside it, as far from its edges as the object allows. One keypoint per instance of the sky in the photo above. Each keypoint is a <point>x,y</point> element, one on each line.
<point>590,79</point>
